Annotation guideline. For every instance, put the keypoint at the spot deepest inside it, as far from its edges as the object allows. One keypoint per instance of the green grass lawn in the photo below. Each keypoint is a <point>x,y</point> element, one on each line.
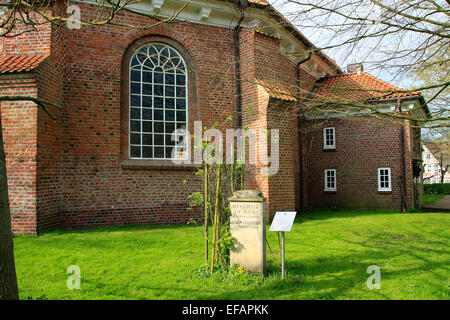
<point>432,198</point>
<point>327,255</point>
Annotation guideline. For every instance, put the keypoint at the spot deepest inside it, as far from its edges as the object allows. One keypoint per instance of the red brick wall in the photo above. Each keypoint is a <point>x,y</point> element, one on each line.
<point>80,180</point>
<point>20,143</point>
<point>273,67</point>
<point>49,135</point>
<point>262,60</point>
<point>306,84</point>
<point>363,144</point>
<point>30,42</point>
<point>96,188</point>
<point>254,105</point>
<point>282,115</point>
<point>69,173</point>
<point>20,123</point>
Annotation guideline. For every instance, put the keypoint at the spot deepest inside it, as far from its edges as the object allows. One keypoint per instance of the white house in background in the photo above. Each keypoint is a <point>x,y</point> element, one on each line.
<point>432,171</point>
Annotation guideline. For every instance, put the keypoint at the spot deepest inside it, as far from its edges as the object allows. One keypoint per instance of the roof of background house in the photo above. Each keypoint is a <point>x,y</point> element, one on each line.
<point>437,149</point>
<point>259,1</point>
<point>359,87</point>
<point>431,146</point>
<point>18,63</point>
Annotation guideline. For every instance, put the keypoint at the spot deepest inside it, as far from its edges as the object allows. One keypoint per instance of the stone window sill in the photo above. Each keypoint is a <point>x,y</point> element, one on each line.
<point>156,165</point>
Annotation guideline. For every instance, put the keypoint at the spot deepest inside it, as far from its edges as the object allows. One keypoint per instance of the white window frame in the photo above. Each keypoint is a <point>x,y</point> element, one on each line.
<point>326,145</point>
<point>384,188</point>
<point>176,72</point>
<point>326,187</point>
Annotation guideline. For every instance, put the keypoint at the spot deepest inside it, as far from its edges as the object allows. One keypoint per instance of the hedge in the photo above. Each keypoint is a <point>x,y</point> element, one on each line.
<point>440,188</point>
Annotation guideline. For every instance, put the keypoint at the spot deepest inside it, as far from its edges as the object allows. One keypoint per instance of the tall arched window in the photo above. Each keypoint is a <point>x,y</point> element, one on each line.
<point>158,100</point>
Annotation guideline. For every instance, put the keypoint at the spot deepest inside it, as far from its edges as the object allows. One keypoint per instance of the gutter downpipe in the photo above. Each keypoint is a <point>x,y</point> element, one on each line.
<point>301,137</point>
<point>242,6</point>
<point>403,159</point>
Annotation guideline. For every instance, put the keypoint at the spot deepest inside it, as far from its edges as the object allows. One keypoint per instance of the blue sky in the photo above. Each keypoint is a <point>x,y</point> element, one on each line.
<point>370,53</point>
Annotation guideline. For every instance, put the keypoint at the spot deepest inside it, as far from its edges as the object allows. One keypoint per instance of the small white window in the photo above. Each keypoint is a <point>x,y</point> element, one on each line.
<point>329,138</point>
<point>384,179</point>
<point>330,180</point>
<point>428,156</point>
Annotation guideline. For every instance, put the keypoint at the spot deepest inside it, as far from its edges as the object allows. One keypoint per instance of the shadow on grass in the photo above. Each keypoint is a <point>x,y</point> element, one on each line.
<point>332,271</point>
<point>296,285</point>
<point>332,280</point>
<point>345,276</point>
<point>325,214</point>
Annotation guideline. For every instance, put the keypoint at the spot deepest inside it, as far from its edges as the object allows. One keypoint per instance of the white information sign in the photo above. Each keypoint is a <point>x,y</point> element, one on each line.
<point>283,221</point>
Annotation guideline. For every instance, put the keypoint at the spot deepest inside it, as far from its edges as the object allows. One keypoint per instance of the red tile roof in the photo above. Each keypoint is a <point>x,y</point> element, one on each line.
<point>18,63</point>
<point>259,1</point>
<point>358,87</point>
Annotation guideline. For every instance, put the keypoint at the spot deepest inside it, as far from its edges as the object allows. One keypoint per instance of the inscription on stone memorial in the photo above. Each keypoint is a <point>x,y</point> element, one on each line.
<point>246,215</point>
<point>247,226</point>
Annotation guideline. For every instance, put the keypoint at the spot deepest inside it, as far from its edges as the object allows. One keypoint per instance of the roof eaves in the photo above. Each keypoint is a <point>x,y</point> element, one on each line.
<point>276,91</point>
<point>264,5</point>
<point>294,31</point>
<point>420,97</point>
<point>20,63</point>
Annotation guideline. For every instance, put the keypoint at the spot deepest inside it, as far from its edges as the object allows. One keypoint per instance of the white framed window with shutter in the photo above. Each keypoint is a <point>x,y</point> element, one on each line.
<point>384,179</point>
<point>329,138</point>
<point>330,180</point>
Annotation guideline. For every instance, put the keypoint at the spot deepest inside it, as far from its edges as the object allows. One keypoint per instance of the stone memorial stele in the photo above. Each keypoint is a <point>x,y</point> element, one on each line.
<point>248,228</point>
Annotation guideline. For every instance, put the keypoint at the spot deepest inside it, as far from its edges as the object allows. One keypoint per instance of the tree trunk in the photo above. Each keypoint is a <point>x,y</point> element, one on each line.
<point>8,279</point>
<point>206,213</point>
<point>214,250</point>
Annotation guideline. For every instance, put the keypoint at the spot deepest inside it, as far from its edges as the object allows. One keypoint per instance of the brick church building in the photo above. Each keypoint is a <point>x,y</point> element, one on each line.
<point>106,158</point>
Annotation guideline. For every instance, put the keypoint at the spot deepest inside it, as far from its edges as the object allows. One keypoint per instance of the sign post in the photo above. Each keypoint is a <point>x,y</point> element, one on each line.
<point>282,255</point>
<point>282,222</point>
